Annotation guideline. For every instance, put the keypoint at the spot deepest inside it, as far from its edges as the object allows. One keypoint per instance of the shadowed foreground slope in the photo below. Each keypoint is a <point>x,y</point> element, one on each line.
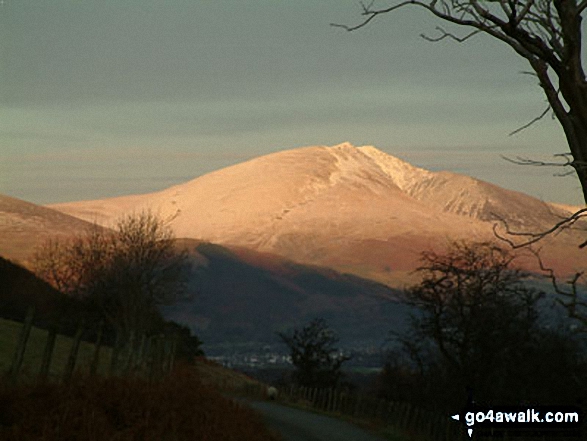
<point>178,408</point>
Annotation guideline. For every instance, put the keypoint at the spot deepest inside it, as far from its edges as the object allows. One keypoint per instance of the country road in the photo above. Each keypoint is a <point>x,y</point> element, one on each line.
<point>298,425</point>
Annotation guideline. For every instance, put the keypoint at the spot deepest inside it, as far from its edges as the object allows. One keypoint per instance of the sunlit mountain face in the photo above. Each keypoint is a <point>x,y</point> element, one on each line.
<point>355,209</point>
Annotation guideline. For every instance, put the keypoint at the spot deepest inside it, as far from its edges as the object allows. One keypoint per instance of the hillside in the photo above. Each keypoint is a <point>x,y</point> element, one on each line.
<point>355,209</point>
<point>22,289</point>
<point>243,298</point>
<point>24,226</point>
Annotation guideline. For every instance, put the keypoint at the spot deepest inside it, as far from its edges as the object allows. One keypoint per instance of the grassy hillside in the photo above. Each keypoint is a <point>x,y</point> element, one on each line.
<point>9,336</point>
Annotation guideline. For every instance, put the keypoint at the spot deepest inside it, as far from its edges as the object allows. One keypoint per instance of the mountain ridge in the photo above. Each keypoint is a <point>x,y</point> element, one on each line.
<point>357,209</point>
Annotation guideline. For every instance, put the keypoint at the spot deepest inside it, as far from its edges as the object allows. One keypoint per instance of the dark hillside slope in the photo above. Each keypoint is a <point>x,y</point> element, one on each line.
<point>20,289</point>
<point>246,300</point>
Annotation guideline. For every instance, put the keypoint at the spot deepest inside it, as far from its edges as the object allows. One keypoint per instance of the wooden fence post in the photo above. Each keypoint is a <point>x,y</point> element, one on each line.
<point>115,353</point>
<point>171,355</point>
<point>142,349</point>
<point>329,401</point>
<point>73,353</point>
<point>98,344</point>
<point>439,428</point>
<point>128,360</point>
<point>157,358</point>
<point>380,409</point>
<point>336,401</point>
<point>48,353</point>
<point>435,423</point>
<point>21,346</point>
<point>343,402</point>
<point>153,359</point>
<point>405,415</point>
<point>357,409</point>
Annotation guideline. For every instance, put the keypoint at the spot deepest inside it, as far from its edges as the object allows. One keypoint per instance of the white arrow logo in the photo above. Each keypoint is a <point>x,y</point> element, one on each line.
<point>456,417</point>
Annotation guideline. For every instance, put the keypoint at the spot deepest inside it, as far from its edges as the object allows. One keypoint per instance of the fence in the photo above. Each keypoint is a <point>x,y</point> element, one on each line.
<point>424,424</point>
<point>418,423</point>
<point>150,357</point>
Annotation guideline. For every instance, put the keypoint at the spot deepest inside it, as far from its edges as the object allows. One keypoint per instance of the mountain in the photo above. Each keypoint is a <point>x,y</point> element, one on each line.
<point>355,209</point>
<point>25,226</point>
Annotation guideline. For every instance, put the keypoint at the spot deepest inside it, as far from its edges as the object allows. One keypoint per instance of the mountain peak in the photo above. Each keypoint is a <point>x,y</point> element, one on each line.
<point>343,146</point>
<point>340,206</point>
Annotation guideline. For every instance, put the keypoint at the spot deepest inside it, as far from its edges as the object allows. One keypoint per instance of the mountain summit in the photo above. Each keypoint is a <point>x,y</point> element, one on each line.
<point>356,209</point>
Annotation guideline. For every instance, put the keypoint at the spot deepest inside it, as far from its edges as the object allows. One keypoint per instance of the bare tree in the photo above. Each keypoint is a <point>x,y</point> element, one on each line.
<point>125,274</point>
<point>475,316</point>
<point>314,354</point>
<point>547,33</point>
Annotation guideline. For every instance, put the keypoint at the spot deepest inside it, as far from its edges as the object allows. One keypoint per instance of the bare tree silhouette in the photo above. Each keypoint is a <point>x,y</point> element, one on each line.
<point>313,353</point>
<point>125,274</point>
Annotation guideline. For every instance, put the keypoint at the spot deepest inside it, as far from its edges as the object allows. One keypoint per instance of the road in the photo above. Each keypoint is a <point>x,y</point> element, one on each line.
<point>298,425</point>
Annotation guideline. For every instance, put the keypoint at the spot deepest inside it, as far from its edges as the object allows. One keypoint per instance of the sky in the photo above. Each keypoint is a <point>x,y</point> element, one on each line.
<point>107,98</point>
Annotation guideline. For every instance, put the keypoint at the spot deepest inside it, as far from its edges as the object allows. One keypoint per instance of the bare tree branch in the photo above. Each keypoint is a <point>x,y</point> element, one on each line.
<point>571,301</point>
<point>525,126</point>
<point>569,162</point>
<point>445,34</point>
<point>371,14</point>
<point>532,238</point>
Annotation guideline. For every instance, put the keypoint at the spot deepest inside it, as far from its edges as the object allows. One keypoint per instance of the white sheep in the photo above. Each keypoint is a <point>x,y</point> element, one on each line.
<point>272,393</point>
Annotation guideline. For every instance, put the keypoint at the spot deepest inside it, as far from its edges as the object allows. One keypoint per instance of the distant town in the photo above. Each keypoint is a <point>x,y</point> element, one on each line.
<point>370,359</point>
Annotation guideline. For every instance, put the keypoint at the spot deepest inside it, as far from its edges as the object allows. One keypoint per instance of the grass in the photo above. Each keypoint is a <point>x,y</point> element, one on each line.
<point>227,380</point>
<point>9,336</point>
<point>179,407</point>
<point>186,405</point>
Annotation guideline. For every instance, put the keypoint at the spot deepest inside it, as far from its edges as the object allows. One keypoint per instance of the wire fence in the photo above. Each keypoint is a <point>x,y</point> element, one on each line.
<point>151,357</point>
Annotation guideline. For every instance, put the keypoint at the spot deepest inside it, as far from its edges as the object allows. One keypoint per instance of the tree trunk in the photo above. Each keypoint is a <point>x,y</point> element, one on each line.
<point>577,140</point>
<point>574,121</point>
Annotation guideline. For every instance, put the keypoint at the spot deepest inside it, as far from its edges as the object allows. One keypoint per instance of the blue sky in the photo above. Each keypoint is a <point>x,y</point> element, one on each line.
<point>105,98</point>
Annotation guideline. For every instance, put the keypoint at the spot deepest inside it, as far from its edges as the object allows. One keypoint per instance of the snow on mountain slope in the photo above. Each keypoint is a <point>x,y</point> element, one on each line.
<point>464,195</point>
<point>357,209</point>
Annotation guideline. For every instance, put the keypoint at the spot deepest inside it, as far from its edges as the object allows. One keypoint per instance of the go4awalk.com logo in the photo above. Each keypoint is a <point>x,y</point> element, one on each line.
<point>523,420</point>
